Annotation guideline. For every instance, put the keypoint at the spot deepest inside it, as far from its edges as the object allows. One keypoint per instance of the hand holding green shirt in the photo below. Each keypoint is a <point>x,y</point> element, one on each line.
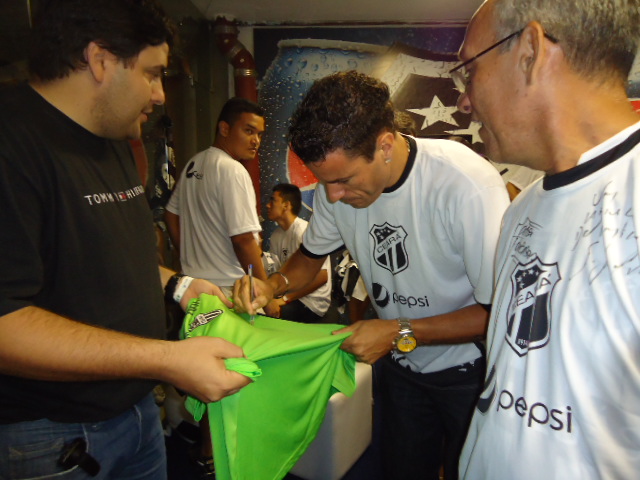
<point>260,432</point>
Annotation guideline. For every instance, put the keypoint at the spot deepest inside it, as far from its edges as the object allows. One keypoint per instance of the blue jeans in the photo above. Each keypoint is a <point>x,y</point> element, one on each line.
<point>129,446</point>
<point>425,417</point>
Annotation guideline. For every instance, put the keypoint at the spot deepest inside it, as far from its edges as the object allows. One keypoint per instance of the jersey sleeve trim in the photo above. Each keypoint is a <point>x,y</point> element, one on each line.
<point>309,254</point>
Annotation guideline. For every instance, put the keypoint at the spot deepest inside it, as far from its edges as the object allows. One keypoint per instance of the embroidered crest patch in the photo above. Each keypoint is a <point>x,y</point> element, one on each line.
<point>389,249</point>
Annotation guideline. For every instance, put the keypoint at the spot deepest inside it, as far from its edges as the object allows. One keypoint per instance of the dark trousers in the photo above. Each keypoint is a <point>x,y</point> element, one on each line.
<point>299,312</point>
<point>425,418</point>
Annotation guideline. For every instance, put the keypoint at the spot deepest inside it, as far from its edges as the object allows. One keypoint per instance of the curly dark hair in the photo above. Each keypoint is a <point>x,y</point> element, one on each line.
<point>62,29</point>
<point>346,110</point>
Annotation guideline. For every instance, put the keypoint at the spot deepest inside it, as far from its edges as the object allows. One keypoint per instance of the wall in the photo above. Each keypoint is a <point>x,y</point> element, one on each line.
<point>196,87</point>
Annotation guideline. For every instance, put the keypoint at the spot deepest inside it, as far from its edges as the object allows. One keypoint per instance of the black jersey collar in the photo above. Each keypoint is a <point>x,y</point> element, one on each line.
<point>407,168</point>
<point>591,166</point>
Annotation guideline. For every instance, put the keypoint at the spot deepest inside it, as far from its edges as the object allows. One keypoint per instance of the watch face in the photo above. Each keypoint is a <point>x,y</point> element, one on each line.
<point>406,344</point>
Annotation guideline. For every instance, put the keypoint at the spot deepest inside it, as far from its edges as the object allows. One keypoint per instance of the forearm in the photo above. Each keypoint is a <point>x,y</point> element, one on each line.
<point>357,308</point>
<point>50,347</point>
<point>467,324</point>
<point>173,228</point>
<point>248,253</point>
<point>300,270</point>
<point>372,339</point>
<point>165,275</point>
<point>320,279</point>
<point>195,288</point>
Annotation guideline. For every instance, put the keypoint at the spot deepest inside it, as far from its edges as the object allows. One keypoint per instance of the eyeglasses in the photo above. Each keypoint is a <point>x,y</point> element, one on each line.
<point>461,77</point>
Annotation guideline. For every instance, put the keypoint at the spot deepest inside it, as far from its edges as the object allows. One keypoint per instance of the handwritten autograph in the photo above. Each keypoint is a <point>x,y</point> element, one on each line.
<point>609,229</point>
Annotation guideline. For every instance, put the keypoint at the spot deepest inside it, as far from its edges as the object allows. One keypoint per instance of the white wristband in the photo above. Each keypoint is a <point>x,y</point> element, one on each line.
<point>182,286</point>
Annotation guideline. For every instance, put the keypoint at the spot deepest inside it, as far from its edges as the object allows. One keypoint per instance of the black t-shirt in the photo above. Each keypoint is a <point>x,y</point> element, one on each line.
<point>76,238</point>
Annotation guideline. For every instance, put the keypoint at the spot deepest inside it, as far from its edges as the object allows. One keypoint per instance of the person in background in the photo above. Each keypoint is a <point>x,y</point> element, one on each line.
<point>562,391</point>
<point>82,317</point>
<point>515,177</point>
<point>309,304</point>
<point>212,217</point>
<point>421,218</point>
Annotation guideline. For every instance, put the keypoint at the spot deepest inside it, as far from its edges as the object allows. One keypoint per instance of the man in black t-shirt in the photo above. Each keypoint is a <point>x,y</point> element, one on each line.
<point>81,302</point>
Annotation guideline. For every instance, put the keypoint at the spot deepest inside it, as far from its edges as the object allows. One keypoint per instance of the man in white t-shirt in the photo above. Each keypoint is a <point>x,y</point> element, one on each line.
<point>516,177</point>
<point>310,303</point>
<point>421,218</point>
<point>562,393</point>
<point>212,216</point>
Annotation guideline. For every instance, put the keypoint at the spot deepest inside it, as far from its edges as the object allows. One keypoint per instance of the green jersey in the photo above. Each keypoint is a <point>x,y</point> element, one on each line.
<point>260,432</point>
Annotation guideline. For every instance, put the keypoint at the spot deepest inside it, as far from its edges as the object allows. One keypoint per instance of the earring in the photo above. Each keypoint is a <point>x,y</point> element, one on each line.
<point>387,160</point>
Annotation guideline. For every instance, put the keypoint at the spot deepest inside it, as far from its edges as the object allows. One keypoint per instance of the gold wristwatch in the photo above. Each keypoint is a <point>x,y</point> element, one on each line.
<point>406,341</point>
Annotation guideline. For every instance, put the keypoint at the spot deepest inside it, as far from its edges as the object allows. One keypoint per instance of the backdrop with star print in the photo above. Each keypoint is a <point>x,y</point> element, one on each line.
<point>413,60</point>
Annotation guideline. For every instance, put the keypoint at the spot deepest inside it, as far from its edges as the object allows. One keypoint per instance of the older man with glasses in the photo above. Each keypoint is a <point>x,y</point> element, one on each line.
<point>562,393</point>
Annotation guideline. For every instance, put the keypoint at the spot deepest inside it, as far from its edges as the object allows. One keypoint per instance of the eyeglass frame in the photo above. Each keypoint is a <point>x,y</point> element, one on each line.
<point>461,81</point>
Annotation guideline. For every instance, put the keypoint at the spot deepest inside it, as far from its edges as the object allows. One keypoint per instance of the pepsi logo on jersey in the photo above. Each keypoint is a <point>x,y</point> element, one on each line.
<point>535,414</point>
<point>382,297</point>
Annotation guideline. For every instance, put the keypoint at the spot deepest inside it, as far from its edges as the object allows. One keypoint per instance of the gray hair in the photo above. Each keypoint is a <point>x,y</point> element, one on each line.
<point>598,37</point>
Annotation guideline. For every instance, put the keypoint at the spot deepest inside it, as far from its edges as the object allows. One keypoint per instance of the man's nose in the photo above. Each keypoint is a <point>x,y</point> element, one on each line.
<point>157,93</point>
<point>335,192</point>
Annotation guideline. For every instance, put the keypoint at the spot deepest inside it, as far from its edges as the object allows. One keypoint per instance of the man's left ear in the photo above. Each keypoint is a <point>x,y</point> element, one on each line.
<point>531,56</point>
<point>385,142</point>
<point>96,58</point>
<point>223,128</point>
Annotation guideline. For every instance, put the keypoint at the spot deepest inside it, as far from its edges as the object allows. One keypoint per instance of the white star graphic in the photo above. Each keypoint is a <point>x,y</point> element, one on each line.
<point>473,129</point>
<point>437,112</point>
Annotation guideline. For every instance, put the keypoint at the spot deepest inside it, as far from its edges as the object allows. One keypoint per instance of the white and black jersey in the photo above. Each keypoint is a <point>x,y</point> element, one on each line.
<point>562,393</point>
<point>426,246</point>
<point>283,243</point>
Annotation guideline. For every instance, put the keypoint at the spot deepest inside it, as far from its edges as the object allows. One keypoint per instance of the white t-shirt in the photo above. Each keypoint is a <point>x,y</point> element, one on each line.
<point>283,243</point>
<point>215,200</point>
<point>426,246</point>
<point>562,394</point>
<point>519,176</point>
